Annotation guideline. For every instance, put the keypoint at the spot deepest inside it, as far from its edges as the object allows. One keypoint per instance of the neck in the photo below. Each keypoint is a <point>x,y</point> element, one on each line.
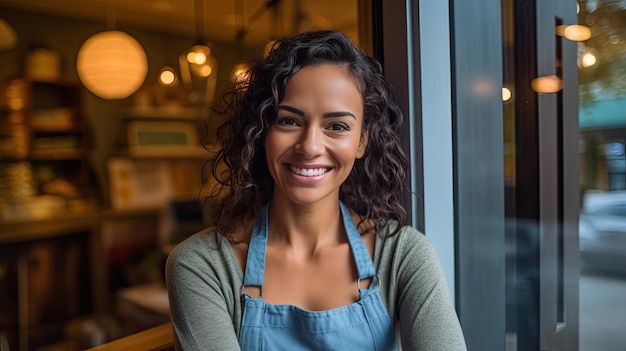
<point>305,227</point>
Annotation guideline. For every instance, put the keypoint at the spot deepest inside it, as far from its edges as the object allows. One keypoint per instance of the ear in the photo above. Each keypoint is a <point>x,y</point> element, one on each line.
<point>363,142</point>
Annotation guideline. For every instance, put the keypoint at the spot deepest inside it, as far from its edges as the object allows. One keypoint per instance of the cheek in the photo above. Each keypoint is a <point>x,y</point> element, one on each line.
<point>273,147</point>
<point>349,150</point>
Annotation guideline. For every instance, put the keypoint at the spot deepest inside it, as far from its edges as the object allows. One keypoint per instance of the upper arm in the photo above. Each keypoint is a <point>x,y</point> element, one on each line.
<point>202,307</point>
<point>426,314</point>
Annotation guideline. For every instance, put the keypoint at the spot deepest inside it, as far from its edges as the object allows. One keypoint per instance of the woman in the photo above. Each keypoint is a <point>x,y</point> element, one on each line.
<point>311,251</point>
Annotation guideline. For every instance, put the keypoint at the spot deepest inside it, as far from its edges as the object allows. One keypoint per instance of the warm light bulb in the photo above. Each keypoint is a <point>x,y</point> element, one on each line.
<point>240,74</point>
<point>506,94</point>
<point>199,58</point>
<point>588,59</point>
<point>577,32</point>
<point>167,77</point>
<point>191,56</point>
<point>205,71</point>
<point>560,29</point>
<point>547,84</point>
<point>198,54</point>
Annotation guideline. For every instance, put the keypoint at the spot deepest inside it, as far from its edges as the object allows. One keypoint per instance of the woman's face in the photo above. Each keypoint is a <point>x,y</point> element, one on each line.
<point>317,136</point>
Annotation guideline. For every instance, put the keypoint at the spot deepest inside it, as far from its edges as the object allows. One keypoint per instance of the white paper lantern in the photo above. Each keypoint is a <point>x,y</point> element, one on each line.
<point>112,65</point>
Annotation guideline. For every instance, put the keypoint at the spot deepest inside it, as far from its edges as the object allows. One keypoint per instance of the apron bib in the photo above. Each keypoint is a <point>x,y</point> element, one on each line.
<point>363,325</point>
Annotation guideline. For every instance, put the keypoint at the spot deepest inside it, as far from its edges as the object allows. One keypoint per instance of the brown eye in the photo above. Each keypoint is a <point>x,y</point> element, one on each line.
<point>287,121</point>
<point>339,127</point>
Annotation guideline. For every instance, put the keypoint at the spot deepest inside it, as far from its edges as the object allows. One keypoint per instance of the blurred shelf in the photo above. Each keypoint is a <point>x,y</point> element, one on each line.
<point>57,155</point>
<point>165,153</point>
<point>46,136</point>
<point>75,128</point>
<point>163,113</point>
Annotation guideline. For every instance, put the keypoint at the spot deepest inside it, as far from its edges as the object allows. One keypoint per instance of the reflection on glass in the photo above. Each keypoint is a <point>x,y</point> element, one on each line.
<point>602,174</point>
<point>602,223</point>
<point>577,32</point>
<point>547,84</point>
<point>506,94</point>
<point>588,59</point>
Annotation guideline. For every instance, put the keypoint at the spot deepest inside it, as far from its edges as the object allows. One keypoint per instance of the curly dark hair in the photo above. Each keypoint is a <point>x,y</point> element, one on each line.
<point>244,185</point>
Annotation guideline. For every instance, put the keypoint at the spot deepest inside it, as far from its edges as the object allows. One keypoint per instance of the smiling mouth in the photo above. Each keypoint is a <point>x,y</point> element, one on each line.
<point>308,172</point>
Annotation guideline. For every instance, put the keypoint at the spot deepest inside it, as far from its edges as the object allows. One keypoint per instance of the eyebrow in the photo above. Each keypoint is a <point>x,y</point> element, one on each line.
<point>325,115</point>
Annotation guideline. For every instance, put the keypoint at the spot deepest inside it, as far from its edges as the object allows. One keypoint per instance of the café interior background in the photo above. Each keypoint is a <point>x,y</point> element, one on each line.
<point>98,180</point>
<point>101,163</point>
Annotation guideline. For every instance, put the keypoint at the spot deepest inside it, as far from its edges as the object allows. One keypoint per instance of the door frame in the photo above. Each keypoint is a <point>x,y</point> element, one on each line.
<point>448,71</point>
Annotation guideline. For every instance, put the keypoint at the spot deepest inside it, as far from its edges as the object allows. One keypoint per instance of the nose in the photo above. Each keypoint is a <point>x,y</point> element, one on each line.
<point>310,144</point>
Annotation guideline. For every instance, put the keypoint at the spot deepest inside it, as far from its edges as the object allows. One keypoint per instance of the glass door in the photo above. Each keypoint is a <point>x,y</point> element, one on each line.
<point>602,132</point>
<point>541,169</point>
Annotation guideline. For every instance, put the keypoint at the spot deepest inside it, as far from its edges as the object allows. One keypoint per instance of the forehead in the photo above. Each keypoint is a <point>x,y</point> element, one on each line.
<point>324,84</point>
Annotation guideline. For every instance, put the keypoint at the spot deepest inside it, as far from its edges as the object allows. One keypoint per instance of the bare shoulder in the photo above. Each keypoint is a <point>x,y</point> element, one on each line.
<point>240,243</point>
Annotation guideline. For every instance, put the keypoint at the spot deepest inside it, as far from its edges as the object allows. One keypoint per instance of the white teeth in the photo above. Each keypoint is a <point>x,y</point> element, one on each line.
<point>311,172</point>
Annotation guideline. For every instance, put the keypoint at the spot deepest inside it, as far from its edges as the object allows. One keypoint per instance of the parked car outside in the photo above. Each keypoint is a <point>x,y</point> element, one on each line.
<point>602,231</point>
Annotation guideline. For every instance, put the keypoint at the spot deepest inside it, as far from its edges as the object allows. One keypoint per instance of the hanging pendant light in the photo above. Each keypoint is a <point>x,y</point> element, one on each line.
<point>167,77</point>
<point>112,65</point>
<point>198,66</point>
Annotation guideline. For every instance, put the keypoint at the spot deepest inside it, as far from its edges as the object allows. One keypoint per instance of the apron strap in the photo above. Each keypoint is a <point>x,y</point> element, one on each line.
<point>364,265</point>
<point>255,263</point>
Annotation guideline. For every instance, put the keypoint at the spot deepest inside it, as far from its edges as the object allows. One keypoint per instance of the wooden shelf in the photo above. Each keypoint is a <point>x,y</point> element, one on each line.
<point>58,155</point>
<point>27,230</point>
<point>165,153</point>
<point>51,131</point>
<point>75,128</point>
<point>163,113</point>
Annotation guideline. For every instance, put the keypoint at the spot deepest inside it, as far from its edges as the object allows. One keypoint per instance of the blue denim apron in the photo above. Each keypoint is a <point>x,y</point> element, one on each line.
<point>363,325</point>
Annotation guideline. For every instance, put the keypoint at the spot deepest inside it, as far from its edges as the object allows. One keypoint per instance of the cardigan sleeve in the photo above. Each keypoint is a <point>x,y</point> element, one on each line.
<point>202,288</point>
<point>426,315</point>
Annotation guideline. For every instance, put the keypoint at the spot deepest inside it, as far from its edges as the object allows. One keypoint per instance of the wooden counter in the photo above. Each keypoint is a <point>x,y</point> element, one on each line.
<point>25,230</point>
<point>157,338</point>
<point>20,231</point>
<point>34,256</point>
